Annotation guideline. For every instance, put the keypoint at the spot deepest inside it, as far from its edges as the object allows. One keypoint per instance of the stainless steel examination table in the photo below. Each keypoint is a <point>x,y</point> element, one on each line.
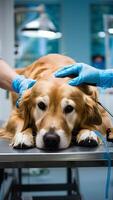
<point>70,158</point>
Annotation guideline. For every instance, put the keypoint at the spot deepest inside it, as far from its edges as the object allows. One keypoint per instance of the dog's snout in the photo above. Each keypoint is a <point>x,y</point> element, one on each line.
<point>51,140</point>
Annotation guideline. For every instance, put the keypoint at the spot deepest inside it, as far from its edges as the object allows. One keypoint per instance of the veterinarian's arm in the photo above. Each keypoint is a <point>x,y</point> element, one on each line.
<point>7,74</point>
<point>10,80</point>
<point>86,74</point>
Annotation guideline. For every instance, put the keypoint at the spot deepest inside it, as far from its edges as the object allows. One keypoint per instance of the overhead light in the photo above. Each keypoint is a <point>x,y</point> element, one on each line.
<point>42,27</point>
<point>42,34</point>
<point>33,24</point>
<point>43,23</point>
<point>110,30</point>
<point>101,34</point>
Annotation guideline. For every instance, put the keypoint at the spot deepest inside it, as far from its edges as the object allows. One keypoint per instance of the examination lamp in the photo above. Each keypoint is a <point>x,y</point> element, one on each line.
<point>43,27</point>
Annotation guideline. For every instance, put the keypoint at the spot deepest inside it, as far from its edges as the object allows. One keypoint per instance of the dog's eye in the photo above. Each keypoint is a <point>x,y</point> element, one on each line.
<point>42,105</point>
<point>68,109</point>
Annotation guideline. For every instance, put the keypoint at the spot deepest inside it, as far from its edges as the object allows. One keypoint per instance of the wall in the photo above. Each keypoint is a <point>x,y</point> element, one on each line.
<point>7,30</point>
<point>6,47</point>
<point>76,29</point>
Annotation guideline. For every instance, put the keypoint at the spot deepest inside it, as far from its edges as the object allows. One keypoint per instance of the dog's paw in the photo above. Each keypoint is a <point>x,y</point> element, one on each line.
<point>22,140</point>
<point>87,138</point>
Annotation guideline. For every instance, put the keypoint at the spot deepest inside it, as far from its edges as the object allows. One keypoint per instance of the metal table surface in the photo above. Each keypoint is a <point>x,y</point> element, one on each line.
<point>75,155</point>
<point>70,158</point>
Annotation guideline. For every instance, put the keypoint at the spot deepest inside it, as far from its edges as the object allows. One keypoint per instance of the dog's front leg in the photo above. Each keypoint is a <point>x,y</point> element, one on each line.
<point>23,139</point>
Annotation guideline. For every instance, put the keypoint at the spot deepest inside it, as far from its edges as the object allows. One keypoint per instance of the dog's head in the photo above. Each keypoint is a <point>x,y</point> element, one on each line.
<point>54,108</point>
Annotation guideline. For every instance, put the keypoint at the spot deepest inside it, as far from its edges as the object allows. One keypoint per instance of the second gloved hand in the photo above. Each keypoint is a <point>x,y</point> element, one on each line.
<point>85,74</point>
<point>20,84</point>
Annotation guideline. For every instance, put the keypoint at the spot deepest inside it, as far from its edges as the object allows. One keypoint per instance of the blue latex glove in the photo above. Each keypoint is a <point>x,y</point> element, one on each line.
<point>20,84</point>
<point>85,74</point>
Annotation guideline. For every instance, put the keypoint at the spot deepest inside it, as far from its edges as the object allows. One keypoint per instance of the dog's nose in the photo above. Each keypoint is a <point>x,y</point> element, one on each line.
<point>51,141</point>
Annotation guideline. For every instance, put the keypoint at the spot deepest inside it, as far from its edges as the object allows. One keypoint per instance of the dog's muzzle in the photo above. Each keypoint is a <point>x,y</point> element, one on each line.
<point>51,141</point>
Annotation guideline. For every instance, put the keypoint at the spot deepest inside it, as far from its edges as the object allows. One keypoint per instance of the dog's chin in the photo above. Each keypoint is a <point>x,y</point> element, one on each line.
<point>51,149</point>
<point>64,142</point>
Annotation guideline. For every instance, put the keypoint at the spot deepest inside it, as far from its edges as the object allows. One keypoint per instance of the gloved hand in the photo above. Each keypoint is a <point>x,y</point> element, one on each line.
<point>85,74</point>
<point>20,84</point>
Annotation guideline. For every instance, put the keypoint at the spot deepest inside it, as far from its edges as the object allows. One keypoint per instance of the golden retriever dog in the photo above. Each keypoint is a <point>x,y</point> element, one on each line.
<point>52,113</point>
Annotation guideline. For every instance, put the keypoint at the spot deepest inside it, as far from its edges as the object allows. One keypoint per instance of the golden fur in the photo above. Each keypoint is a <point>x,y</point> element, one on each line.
<point>56,98</point>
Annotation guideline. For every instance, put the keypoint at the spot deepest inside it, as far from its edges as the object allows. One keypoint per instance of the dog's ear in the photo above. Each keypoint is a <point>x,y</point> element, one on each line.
<point>92,115</point>
<point>25,106</point>
<point>90,91</point>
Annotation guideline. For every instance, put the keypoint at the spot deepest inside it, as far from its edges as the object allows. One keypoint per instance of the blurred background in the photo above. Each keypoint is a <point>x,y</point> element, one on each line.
<point>81,29</point>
